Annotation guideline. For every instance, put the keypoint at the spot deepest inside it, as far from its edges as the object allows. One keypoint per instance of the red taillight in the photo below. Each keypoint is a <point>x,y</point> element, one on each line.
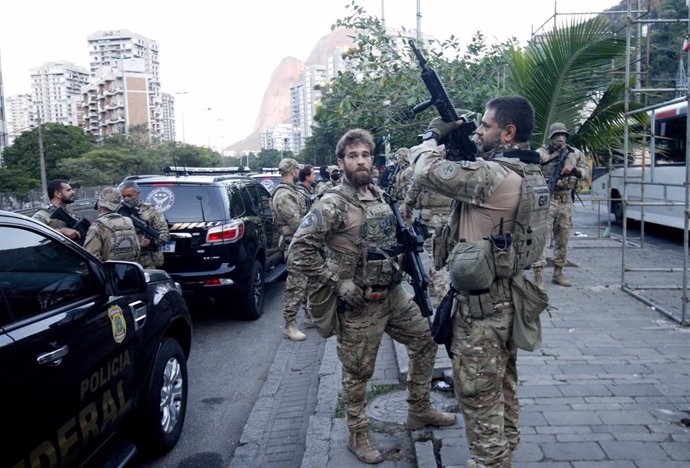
<point>226,233</point>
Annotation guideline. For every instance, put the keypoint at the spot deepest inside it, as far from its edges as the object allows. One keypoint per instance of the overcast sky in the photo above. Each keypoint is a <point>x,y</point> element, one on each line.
<point>222,52</point>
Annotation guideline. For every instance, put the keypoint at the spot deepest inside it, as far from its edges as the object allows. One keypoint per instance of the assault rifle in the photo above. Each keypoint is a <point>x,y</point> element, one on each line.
<point>412,240</point>
<point>81,225</point>
<point>132,212</point>
<point>459,144</point>
<point>557,175</point>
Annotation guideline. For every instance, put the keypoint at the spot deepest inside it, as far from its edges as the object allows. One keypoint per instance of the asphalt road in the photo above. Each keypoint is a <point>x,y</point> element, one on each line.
<point>228,365</point>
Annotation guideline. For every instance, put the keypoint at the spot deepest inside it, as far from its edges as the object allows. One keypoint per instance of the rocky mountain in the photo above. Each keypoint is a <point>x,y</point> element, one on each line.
<point>275,105</point>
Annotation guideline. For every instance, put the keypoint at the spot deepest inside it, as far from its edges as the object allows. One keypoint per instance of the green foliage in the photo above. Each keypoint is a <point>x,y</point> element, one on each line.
<point>566,76</point>
<point>268,158</point>
<point>18,182</point>
<point>378,94</point>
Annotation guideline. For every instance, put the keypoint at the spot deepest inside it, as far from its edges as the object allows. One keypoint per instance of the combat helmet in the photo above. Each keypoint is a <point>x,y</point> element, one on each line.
<point>557,127</point>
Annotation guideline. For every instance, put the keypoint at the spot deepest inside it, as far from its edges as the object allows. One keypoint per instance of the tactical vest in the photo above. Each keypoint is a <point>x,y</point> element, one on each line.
<point>529,230</point>
<point>124,241</point>
<point>380,263</point>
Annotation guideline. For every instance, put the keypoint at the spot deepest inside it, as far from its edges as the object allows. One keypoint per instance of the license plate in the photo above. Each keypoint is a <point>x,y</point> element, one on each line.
<point>169,247</point>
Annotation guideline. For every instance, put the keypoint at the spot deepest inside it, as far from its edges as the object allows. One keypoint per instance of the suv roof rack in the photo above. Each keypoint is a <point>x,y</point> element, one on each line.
<point>270,170</point>
<point>181,170</point>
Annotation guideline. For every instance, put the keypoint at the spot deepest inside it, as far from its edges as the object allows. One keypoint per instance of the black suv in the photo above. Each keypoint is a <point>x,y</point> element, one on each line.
<point>222,237</point>
<point>93,355</point>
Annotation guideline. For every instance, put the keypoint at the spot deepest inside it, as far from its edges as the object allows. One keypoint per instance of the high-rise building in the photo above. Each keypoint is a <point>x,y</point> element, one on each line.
<point>3,125</point>
<point>281,137</point>
<point>54,87</point>
<point>304,98</point>
<point>109,50</point>
<point>114,102</point>
<point>20,115</point>
<point>168,117</point>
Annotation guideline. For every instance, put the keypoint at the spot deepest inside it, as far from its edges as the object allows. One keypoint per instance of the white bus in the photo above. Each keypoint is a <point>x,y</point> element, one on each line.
<point>664,174</point>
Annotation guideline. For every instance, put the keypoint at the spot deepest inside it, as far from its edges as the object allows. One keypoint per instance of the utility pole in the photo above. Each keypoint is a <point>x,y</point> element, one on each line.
<point>419,20</point>
<point>41,158</point>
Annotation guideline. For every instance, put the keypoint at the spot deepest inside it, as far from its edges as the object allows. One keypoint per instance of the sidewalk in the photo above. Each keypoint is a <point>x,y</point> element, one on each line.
<point>608,388</point>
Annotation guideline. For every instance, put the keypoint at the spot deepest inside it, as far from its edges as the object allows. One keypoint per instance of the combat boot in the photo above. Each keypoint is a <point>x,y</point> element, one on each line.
<point>558,277</point>
<point>292,332</point>
<point>539,276</point>
<point>430,417</point>
<point>361,445</point>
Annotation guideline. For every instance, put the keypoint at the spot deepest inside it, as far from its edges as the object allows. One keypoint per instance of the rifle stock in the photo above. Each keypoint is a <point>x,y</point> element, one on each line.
<point>459,144</point>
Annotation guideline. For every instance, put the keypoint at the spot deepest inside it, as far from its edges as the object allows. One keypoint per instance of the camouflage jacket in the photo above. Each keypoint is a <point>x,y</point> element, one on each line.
<point>112,237</point>
<point>403,179</point>
<point>574,159</point>
<point>44,215</point>
<point>289,207</point>
<point>156,220</point>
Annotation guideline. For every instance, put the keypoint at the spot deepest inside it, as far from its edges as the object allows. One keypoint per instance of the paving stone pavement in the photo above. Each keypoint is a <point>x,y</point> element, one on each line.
<point>608,388</point>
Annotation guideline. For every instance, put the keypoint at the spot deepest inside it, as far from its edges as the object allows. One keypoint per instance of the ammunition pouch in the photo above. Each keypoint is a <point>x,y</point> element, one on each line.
<point>471,266</point>
<point>442,245</point>
<point>383,272</point>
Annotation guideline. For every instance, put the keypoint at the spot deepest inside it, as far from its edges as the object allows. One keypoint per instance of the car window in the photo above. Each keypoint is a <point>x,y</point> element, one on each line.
<point>237,207</point>
<point>253,198</point>
<point>186,203</point>
<point>268,181</point>
<point>38,274</point>
<point>265,200</point>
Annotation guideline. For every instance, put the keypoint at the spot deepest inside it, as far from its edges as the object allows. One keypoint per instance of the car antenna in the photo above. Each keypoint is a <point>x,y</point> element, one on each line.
<point>172,153</point>
<point>201,204</point>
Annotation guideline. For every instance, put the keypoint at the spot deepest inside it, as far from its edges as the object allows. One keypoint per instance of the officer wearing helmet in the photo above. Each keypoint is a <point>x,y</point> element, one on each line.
<point>112,236</point>
<point>560,217</point>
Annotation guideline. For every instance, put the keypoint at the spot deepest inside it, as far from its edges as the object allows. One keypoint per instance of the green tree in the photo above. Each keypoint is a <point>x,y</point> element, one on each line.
<point>566,76</point>
<point>17,182</point>
<point>59,142</point>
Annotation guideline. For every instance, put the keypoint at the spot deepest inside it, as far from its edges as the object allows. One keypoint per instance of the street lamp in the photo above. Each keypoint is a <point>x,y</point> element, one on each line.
<point>208,131</point>
<point>182,93</point>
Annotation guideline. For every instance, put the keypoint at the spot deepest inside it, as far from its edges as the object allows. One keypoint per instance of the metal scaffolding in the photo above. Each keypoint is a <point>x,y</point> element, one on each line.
<point>634,21</point>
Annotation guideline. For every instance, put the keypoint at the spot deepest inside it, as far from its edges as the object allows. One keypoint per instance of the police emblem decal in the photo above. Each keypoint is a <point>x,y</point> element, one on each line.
<point>118,323</point>
<point>162,198</point>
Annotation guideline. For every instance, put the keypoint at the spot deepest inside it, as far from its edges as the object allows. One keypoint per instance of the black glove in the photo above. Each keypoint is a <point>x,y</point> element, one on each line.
<point>441,128</point>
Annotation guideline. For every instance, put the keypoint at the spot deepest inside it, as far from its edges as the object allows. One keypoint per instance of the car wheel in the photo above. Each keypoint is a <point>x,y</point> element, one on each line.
<point>255,293</point>
<point>162,415</point>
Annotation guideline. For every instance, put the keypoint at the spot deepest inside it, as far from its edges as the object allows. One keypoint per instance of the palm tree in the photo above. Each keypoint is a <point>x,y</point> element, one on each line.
<point>566,75</point>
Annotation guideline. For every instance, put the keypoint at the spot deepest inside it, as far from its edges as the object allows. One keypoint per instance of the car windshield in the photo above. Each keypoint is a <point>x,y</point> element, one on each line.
<point>186,203</point>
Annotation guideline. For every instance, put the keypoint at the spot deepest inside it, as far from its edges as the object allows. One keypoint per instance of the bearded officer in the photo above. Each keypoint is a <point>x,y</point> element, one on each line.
<point>112,236</point>
<point>354,226</point>
<point>61,195</point>
<point>489,195</point>
<point>560,218</point>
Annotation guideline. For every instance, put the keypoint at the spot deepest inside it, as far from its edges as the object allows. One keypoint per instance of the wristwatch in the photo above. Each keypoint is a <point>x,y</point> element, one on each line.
<point>429,135</point>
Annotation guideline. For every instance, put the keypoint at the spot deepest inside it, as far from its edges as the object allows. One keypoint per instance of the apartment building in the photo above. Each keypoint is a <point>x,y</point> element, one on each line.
<point>54,88</point>
<point>281,137</point>
<point>168,117</point>
<point>20,115</point>
<point>111,51</point>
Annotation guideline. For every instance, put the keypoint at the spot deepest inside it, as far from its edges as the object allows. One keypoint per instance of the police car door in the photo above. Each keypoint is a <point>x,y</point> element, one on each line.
<point>66,351</point>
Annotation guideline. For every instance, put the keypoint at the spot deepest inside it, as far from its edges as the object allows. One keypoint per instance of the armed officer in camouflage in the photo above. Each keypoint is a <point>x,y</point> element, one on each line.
<point>151,255</point>
<point>403,174</point>
<point>289,207</point>
<point>307,184</point>
<point>434,209</point>
<point>112,236</point>
<point>355,227</point>
<point>498,190</point>
<point>60,194</point>
<point>560,218</point>
<point>333,180</point>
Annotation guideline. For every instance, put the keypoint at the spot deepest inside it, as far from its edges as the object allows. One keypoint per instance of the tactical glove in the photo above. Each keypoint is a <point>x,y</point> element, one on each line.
<point>349,292</point>
<point>441,128</point>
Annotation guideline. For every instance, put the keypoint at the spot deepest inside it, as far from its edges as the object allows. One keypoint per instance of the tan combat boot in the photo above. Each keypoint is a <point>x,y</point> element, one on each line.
<point>539,276</point>
<point>430,417</point>
<point>361,445</point>
<point>558,277</point>
<point>292,332</point>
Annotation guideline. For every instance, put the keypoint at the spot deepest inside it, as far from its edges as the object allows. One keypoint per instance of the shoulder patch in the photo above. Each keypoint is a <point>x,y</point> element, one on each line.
<point>448,170</point>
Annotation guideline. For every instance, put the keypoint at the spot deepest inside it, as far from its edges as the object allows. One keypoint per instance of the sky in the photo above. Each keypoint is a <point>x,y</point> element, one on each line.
<point>218,55</point>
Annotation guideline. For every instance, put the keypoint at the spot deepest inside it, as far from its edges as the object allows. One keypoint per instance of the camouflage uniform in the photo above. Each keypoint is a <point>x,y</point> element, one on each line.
<point>321,187</point>
<point>308,193</point>
<point>434,209</point>
<point>289,207</point>
<point>152,255</point>
<point>354,230</point>
<point>484,354</point>
<point>560,217</point>
<point>44,215</point>
<point>112,236</point>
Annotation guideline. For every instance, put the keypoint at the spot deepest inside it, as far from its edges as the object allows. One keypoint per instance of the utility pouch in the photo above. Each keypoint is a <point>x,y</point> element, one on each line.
<point>480,305</point>
<point>323,304</point>
<point>471,266</point>
<point>441,244</point>
<point>504,260</point>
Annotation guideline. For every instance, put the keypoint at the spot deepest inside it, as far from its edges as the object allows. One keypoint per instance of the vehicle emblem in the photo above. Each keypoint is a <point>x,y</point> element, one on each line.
<point>162,198</point>
<point>118,323</point>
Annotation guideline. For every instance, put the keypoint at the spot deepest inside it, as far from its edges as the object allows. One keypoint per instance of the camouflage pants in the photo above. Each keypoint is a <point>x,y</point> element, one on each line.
<point>297,288</point>
<point>359,338</point>
<point>151,259</point>
<point>485,378</point>
<point>558,224</point>
<point>439,283</point>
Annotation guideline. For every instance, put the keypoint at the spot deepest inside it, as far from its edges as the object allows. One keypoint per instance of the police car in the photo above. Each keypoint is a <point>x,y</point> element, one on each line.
<point>93,356</point>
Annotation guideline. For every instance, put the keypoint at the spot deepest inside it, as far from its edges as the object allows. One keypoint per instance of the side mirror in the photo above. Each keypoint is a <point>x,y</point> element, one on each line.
<point>124,278</point>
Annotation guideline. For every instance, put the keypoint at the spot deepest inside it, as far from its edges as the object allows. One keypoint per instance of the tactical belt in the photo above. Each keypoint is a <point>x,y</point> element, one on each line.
<point>384,256</point>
